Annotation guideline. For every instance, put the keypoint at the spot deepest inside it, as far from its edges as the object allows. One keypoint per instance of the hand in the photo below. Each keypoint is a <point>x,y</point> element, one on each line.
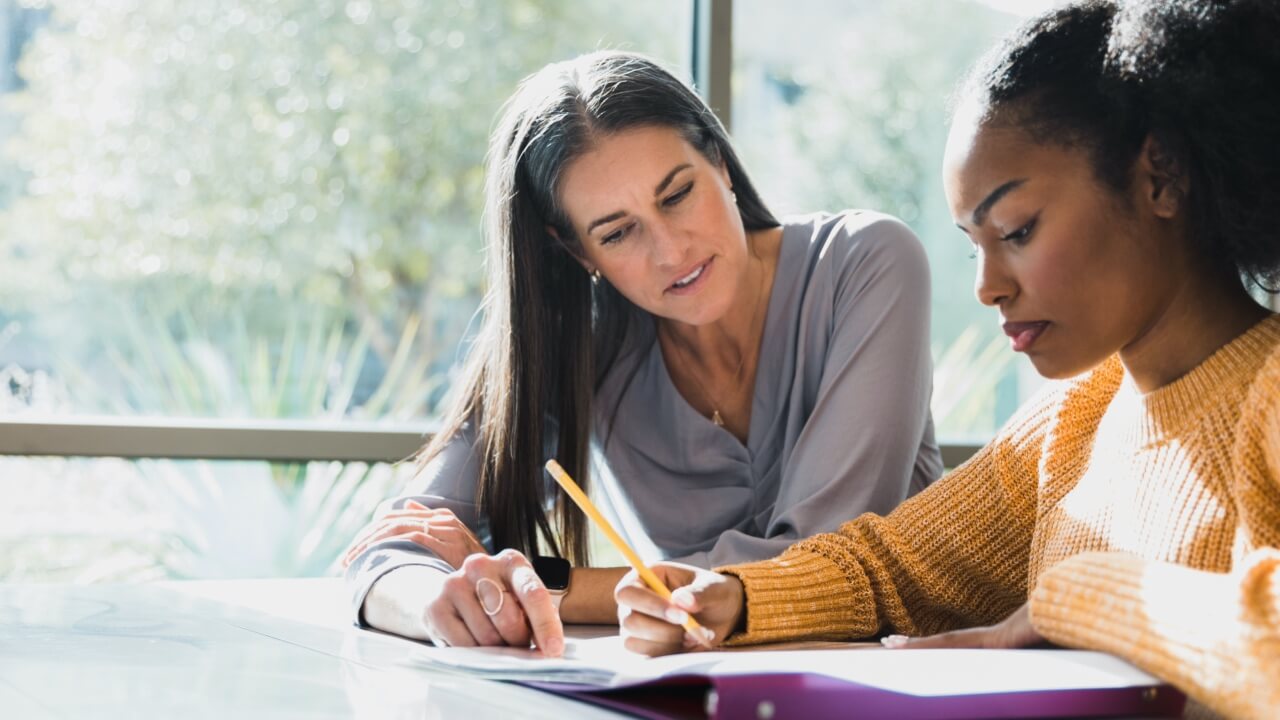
<point>1014,631</point>
<point>651,626</point>
<point>439,531</point>
<point>494,600</point>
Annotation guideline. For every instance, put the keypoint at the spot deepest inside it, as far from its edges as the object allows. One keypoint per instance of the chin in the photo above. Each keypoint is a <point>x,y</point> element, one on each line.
<point>1060,368</point>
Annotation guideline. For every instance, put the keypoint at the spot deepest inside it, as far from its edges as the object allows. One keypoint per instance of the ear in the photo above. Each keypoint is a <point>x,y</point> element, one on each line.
<point>571,249</point>
<point>1162,177</point>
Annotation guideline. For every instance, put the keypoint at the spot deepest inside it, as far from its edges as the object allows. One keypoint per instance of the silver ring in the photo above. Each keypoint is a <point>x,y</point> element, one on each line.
<point>502,597</point>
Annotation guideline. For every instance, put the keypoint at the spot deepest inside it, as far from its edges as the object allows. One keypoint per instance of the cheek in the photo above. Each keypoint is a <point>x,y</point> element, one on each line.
<point>1089,288</point>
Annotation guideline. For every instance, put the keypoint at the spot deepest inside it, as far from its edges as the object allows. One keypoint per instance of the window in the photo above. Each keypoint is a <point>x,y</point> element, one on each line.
<point>840,104</point>
<point>254,209</point>
<point>268,210</point>
<point>246,210</point>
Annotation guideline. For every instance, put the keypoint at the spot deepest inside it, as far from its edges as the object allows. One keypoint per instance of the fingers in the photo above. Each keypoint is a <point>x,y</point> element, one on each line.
<point>1015,631</point>
<point>972,638</point>
<point>478,623</point>
<point>650,635</point>
<point>651,625</point>
<point>445,627</point>
<point>543,618</point>
<point>406,523</point>
<point>378,533</point>
<point>638,598</point>
<point>495,615</point>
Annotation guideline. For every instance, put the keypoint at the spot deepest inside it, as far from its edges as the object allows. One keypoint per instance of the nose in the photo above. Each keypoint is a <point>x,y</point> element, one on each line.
<point>668,246</point>
<point>993,285</point>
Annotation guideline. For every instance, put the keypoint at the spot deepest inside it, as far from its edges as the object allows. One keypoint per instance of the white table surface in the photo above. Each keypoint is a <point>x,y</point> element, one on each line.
<point>227,649</point>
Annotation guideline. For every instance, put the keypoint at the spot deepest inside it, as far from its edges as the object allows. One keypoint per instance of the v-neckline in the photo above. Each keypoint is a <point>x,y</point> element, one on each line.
<point>766,364</point>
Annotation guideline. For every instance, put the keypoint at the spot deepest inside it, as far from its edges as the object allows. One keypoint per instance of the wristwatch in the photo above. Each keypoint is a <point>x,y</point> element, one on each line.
<point>554,574</point>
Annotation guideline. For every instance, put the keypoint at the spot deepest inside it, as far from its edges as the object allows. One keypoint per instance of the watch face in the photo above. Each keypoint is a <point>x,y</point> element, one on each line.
<point>553,571</point>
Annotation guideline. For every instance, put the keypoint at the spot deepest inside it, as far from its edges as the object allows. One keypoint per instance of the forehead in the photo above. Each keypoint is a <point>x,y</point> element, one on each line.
<point>626,157</point>
<point>983,153</point>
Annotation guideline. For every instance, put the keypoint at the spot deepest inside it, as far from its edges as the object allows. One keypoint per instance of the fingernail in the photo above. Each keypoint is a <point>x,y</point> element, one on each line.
<point>683,598</point>
<point>554,647</point>
<point>894,641</point>
<point>676,616</point>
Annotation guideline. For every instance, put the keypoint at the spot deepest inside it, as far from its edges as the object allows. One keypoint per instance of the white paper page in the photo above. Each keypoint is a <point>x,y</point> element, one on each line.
<point>604,662</point>
<point>951,672</point>
<point>590,661</point>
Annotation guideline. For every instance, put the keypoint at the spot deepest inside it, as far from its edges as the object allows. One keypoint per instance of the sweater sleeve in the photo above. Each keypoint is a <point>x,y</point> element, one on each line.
<point>1214,635</point>
<point>953,556</point>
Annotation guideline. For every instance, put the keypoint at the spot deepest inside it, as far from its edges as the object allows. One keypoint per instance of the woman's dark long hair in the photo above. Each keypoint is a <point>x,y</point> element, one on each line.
<point>549,335</point>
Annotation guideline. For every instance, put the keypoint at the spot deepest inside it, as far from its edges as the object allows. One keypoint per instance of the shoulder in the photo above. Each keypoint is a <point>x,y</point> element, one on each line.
<point>1065,411</point>
<point>859,246</point>
<point>858,234</point>
<point>1260,412</point>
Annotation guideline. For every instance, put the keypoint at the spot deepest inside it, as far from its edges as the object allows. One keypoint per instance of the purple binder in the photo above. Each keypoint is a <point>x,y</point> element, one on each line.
<point>817,697</point>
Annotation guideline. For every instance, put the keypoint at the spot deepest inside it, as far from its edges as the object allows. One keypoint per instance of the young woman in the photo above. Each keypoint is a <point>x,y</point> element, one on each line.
<point>740,382</point>
<point>1116,170</point>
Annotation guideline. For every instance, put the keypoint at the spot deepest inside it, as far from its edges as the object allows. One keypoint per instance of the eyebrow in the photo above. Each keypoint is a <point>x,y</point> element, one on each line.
<point>984,207</point>
<point>656,191</point>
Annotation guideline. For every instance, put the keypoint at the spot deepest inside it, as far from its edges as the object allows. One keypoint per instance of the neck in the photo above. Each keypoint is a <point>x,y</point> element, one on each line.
<point>1199,319</point>
<point>725,343</point>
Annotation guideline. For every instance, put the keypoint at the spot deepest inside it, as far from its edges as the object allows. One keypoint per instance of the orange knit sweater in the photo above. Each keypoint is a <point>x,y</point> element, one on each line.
<point>1146,526</point>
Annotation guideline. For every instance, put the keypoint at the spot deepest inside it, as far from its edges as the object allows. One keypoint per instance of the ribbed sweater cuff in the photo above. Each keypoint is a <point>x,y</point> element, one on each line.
<point>798,596</point>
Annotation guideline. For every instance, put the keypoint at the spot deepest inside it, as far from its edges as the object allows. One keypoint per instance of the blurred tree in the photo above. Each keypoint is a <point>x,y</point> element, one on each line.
<point>844,103</point>
<point>234,156</point>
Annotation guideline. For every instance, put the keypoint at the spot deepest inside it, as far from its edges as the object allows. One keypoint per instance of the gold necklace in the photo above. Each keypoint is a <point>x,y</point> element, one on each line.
<point>742,358</point>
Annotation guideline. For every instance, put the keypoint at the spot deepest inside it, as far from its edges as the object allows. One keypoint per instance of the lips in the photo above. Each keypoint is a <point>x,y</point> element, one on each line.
<point>1022,335</point>
<point>691,278</point>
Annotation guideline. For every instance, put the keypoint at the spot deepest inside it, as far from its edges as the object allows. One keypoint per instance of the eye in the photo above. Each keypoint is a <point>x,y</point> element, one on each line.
<point>1022,234</point>
<point>616,235</point>
<point>674,198</point>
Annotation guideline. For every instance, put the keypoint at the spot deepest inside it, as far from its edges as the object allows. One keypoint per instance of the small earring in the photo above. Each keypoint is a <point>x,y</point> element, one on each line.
<point>595,276</point>
<point>734,195</point>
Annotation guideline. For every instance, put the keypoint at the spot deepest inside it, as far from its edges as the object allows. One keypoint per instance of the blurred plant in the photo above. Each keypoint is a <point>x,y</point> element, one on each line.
<point>328,151</point>
<point>90,520</point>
<point>111,520</point>
<point>174,366</point>
<point>965,376</point>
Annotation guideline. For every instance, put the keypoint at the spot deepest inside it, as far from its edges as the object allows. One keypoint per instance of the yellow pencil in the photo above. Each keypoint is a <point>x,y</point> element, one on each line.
<point>697,631</point>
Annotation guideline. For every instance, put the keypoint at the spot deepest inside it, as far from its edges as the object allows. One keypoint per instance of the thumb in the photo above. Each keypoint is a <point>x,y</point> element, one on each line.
<point>686,598</point>
<point>414,505</point>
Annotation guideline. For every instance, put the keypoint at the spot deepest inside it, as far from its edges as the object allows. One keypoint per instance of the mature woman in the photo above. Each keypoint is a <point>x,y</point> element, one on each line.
<point>1117,170</point>
<point>736,383</point>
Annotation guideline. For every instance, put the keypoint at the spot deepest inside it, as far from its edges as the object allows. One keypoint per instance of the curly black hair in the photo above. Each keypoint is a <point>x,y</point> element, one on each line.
<point>1200,76</point>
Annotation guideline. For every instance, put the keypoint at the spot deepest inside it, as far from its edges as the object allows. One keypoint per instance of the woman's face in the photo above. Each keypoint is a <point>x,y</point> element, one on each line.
<point>659,222</point>
<point>1073,267</point>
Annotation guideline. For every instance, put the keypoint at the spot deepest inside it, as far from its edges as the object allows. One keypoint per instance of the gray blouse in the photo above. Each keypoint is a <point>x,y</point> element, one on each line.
<point>840,421</point>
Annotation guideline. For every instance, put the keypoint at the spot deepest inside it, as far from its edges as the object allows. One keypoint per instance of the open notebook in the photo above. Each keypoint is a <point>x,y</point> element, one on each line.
<point>834,681</point>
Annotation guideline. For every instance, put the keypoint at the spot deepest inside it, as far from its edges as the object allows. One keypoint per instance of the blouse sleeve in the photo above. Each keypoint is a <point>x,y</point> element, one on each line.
<point>447,482</point>
<point>867,442</point>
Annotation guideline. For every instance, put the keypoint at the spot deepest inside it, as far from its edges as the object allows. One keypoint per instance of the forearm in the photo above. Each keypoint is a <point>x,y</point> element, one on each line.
<point>590,597</point>
<point>903,572</point>
<point>1212,635</point>
<point>397,601</point>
